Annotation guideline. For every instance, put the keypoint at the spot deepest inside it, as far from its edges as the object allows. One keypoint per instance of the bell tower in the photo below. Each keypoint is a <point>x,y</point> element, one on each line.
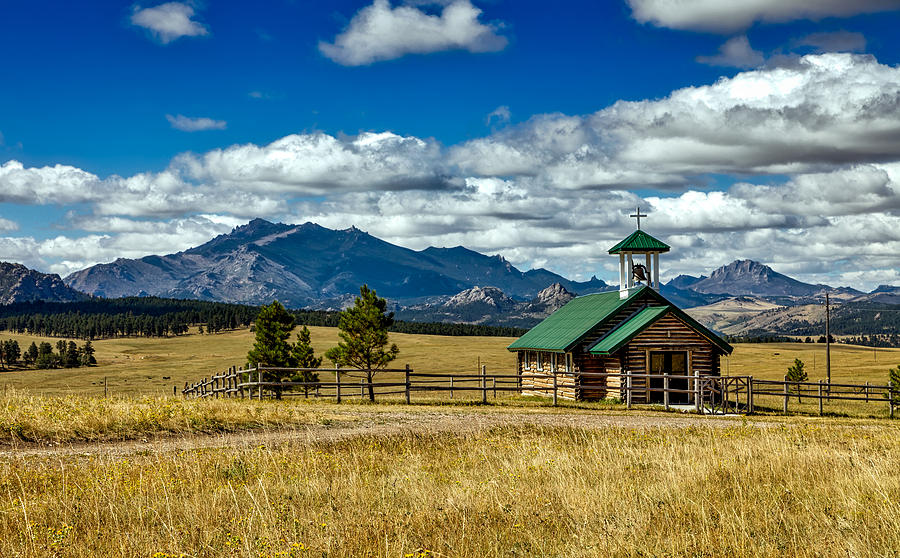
<point>635,252</point>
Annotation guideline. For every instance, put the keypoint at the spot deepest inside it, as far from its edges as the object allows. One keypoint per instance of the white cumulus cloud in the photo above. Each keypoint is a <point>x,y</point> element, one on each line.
<point>198,124</point>
<point>384,32</point>
<point>311,164</point>
<point>168,22</point>
<point>736,53</point>
<point>7,225</point>
<point>729,16</point>
<point>58,184</point>
<point>819,113</point>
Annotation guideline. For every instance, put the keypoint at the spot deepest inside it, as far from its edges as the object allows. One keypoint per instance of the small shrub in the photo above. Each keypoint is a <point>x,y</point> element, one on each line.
<point>796,373</point>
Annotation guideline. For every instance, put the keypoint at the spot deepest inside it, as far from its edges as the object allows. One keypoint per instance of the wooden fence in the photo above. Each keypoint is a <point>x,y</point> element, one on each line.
<point>706,394</point>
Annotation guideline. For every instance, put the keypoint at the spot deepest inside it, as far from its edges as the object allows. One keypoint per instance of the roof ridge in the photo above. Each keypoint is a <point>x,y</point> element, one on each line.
<point>640,241</point>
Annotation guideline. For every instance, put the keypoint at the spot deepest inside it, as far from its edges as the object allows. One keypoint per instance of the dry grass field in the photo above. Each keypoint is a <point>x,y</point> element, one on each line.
<point>706,488</point>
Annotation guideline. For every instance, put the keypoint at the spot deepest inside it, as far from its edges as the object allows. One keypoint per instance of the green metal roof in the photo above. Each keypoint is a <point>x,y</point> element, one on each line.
<point>615,339</point>
<point>639,241</point>
<point>563,328</point>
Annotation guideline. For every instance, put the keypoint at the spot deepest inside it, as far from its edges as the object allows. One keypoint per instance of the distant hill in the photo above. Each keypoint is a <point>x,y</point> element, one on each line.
<point>490,306</point>
<point>304,265</point>
<point>20,284</point>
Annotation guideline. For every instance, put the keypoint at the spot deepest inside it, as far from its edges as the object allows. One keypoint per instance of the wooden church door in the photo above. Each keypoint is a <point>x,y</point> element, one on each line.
<point>672,363</point>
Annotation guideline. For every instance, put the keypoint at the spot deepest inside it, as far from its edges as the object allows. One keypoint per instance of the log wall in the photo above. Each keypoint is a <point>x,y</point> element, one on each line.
<point>541,385</point>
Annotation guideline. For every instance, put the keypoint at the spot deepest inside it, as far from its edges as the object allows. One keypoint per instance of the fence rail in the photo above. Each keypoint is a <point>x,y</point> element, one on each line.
<point>706,394</point>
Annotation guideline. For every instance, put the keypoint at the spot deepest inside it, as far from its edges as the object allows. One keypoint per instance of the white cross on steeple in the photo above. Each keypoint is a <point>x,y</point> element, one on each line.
<point>638,215</point>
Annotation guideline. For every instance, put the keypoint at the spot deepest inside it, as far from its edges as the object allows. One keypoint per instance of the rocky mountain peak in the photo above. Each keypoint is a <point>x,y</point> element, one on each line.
<point>21,284</point>
<point>754,278</point>
<point>553,297</point>
<point>742,268</point>
<point>490,296</point>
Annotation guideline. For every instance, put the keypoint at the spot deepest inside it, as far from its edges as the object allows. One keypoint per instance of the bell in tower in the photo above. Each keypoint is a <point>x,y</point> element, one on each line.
<point>635,254</point>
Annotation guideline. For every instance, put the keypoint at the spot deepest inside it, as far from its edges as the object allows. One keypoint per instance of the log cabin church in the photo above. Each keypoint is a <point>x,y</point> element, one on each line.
<point>633,330</point>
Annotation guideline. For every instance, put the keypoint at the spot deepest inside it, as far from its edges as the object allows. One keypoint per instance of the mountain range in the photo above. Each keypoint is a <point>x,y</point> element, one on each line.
<point>312,266</point>
<point>315,267</point>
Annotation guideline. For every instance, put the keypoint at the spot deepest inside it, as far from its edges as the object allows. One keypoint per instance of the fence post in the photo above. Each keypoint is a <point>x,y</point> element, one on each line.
<point>259,387</point>
<point>494,385</point>
<point>891,389</point>
<point>216,386</point>
<point>362,389</point>
<point>725,385</point>
<point>451,387</point>
<point>407,384</point>
<point>337,381</point>
<point>555,389</point>
<point>483,383</point>
<point>698,393</point>
<point>750,393</point>
<point>786,390</point>
<point>867,391</point>
<point>666,390</point>
<point>820,396</point>
<point>628,389</point>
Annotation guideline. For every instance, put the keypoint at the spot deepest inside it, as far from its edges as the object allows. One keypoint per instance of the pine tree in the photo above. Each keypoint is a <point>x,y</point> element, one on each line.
<point>273,327</point>
<point>894,382</point>
<point>31,354</point>
<point>795,373</point>
<point>12,352</point>
<point>87,354</point>
<point>72,359</point>
<point>303,356</point>
<point>45,357</point>
<point>364,333</point>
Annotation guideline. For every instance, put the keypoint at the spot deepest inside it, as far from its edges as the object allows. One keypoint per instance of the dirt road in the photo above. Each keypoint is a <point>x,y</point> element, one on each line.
<point>353,422</point>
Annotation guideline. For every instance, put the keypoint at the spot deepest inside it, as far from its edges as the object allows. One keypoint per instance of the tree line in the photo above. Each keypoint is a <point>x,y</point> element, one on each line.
<point>67,355</point>
<point>101,318</point>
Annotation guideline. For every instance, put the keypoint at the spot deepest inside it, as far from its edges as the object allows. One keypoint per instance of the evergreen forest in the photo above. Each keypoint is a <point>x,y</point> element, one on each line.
<point>103,318</point>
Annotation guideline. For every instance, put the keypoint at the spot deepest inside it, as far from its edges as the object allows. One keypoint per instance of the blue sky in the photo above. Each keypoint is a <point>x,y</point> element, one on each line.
<point>520,128</point>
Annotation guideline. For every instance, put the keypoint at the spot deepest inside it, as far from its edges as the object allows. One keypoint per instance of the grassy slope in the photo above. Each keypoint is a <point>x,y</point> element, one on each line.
<point>138,365</point>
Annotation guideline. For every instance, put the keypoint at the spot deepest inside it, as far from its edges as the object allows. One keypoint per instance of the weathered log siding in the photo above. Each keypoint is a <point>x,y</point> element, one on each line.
<point>535,380</point>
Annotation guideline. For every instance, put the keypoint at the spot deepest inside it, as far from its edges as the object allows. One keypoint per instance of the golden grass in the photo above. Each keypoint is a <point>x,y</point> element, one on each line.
<point>822,490</point>
<point>57,419</point>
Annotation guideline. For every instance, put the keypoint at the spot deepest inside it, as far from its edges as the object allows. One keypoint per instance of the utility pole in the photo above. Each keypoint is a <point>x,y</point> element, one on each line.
<point>828,342</point>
